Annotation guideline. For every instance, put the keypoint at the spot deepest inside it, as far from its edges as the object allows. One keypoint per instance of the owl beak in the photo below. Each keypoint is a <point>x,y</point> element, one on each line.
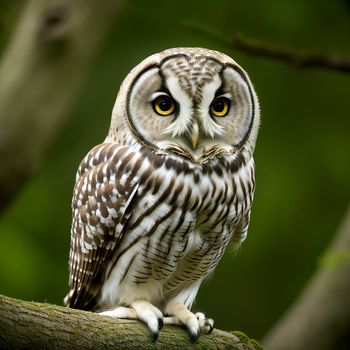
<point>195,135</point>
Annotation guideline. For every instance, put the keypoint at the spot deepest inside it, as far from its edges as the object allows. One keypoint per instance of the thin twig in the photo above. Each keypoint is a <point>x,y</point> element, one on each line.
<point>293,56</point>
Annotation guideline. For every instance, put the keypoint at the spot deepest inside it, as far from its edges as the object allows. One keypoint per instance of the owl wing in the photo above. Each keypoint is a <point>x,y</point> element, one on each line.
<point>103,197</point>
<point>240,231</point>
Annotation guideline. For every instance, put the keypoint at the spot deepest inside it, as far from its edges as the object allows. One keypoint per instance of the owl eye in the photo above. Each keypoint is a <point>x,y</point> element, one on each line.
<point>163,105</point>
<point>220,107</point>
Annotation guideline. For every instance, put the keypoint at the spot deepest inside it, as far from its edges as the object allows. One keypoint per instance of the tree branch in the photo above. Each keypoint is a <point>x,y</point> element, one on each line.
<point>321,314</point>
<point>40,74</point>
<point>289,55</point>
<point>32,325</point>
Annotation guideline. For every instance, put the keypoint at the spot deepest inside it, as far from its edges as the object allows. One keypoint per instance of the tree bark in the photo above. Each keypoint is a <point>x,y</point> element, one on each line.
<point>30,325</point>
<point>320,318</point>
<point>40,73</point>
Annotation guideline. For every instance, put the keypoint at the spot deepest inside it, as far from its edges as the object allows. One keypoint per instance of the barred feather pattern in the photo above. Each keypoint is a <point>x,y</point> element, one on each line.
<point>152,226</point>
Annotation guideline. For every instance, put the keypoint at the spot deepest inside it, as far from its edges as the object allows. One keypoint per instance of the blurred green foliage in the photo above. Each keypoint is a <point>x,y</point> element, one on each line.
<point>302,154</point>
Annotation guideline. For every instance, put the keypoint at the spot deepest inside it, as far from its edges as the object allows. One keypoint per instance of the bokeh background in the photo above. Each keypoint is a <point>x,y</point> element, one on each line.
<point>302,154</point>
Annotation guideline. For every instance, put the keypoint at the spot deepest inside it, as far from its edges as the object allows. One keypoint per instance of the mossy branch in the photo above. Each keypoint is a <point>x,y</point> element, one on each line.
<point>256,47</point>
<point>30,325</point>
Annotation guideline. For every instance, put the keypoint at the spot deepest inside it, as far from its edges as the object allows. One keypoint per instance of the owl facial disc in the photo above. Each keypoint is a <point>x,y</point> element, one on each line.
<point>195,103</point>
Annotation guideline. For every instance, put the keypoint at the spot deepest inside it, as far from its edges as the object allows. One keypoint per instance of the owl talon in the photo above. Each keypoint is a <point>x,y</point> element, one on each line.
<point>211,325</point>
<point>193,328</point>
<point>154,336</point>
<point>180,314</point>
<point>194,335</point>
<point>160,323</point>
<point>206,324</point>
<point>150,315</point>
<point>140,310</point>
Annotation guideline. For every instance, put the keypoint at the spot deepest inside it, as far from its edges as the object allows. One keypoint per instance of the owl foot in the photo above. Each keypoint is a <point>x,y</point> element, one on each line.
<point>206,324</point>
<point>150,315</point>
<point>140,310</point>
<point>195,323</point>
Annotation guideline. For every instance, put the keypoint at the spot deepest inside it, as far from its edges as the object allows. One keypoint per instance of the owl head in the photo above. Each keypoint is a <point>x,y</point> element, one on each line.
<point>190,102</point>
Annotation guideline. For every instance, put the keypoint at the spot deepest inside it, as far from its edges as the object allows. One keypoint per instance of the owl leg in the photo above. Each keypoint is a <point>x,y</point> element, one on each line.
<point>140,310</point>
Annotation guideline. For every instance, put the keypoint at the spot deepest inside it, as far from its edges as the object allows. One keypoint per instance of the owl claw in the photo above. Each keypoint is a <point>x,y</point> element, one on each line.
<point>211,325</point>
<point>194,335</point>
<point>150,315</point>
<point>160,323</point>
<point>154,336</point>
<point>143,311</point>
<point>195,323</point>
<point>206,324</point>
<point>193,328</point>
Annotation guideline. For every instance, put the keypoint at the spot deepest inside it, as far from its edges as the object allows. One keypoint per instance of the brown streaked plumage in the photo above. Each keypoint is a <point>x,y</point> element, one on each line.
<point>156,204</point>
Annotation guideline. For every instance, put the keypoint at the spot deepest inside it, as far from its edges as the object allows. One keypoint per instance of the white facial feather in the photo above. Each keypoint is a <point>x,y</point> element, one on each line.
<point>208,124</point>
<point>182,123</point>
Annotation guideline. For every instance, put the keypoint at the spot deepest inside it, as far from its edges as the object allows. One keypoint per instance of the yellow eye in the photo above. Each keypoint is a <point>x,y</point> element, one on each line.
<point>163,105</point>
<point>220,107</point>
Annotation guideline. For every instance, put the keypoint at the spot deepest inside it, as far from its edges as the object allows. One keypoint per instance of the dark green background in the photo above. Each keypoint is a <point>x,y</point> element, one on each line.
<point>302,154</point>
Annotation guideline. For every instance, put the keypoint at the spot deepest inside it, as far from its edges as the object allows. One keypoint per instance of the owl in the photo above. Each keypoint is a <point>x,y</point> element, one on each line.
<point>157,203</point>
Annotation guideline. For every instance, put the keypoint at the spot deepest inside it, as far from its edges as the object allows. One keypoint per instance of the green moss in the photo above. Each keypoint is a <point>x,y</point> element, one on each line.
<point>246,340</point>
<point>243,337</point>
<point>256,344</point>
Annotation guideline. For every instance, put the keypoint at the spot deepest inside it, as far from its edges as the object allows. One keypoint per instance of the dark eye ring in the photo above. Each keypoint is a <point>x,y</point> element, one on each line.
<point>220,107</point>
<point>164,105</point>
